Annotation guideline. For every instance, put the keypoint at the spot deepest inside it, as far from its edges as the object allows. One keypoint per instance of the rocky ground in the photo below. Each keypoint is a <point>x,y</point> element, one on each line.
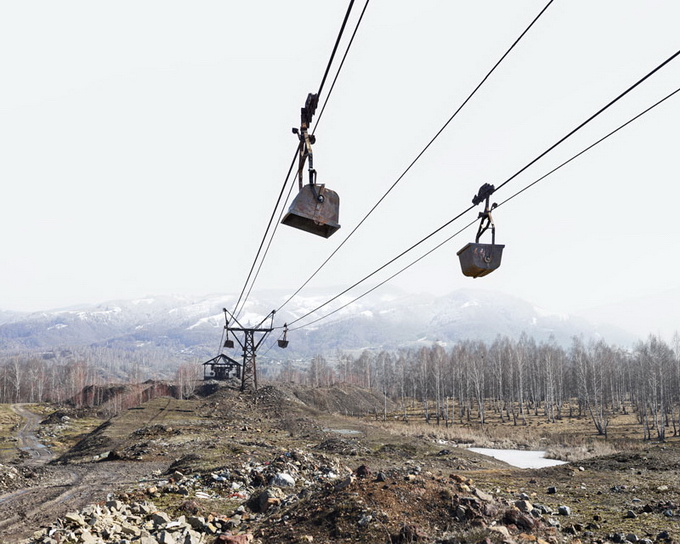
<point>272,467</point>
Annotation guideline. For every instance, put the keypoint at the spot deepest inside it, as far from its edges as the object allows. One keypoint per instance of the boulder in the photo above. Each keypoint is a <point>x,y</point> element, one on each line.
<point>524,506</point>
<point>282,479</point>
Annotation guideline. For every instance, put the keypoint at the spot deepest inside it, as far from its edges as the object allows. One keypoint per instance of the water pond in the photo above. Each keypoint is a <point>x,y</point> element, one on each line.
<point>520,458</point>
<point>342,431</point>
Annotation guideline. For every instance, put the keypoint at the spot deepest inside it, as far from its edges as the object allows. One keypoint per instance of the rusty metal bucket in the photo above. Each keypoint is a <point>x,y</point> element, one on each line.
<point>283,343</point>
<point>477,260</point>
<point>315,209</point>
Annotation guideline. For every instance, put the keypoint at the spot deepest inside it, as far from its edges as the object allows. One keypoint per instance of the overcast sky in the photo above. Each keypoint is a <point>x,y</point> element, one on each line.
<point>144,144</point>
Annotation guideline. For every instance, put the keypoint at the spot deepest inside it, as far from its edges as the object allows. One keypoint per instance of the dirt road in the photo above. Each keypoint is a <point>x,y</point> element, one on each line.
<point>27,441</point>
<point>53,490</point>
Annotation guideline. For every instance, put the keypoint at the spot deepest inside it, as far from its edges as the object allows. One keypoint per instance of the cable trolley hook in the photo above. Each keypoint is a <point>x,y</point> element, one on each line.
<point>485,192</point>
<point>477,259</point>
<point>306,141</point>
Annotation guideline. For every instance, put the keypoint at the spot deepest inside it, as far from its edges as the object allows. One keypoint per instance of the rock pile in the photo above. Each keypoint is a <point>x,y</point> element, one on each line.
<point>12,478</point>
<point>287,470</point>
<point>138,522</point>
<point>260,486</point>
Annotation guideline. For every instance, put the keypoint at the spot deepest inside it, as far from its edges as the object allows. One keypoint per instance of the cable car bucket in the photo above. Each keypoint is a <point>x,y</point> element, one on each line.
<point>283,342</point>
<point>315,209</point>
<point>477,260</point>
<point>228,343</point>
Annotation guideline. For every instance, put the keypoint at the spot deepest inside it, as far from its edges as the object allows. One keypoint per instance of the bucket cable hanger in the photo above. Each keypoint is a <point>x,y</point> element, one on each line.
<point>306,141</point>
<point>477,259</point>
<point>283,341</point>
<point>485,192</point>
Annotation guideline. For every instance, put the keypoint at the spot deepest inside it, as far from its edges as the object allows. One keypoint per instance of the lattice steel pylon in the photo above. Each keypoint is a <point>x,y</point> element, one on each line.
<point>249,374</point>
<point>249,344</point>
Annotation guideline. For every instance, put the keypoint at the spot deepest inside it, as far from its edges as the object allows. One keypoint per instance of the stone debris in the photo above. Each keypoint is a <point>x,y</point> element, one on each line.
<point>524,506</point>
<point>138,522</point>
<point>259,503</point>
<point>12,478</point>
<point>261,486</point>
<point>298,486</point>
<point>282,479</point>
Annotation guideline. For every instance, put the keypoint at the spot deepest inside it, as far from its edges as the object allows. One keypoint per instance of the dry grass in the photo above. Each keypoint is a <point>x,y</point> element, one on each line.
<point>571,438</point>
<point>585,451</point>
<point>8,424</point>
<point>483,437</point>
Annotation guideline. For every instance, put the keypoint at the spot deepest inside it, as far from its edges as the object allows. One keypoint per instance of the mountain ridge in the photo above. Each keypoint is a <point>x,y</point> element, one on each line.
<point>390,320</point>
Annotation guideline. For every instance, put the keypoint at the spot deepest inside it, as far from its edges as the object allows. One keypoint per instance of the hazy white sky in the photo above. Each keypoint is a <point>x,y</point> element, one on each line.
<point>144,144</point>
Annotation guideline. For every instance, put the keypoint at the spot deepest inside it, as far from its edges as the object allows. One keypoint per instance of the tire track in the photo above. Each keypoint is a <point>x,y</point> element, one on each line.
<point>18,508</point>
<point>160,416</point>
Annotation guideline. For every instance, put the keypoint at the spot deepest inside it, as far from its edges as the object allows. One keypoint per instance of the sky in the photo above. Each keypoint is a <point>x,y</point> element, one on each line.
<point>144,144</point>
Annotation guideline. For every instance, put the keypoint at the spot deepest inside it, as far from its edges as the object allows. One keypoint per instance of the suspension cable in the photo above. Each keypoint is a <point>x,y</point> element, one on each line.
<point>582,152</point>
<point>502,185</point>
<point>422,152</point>
<point>390,278</point>
<point>591,146</point>
<point>271,218</point>
<point>342,63</point>
<point>611,103</point>
<point>383,266</point>
<point>335,47</point>
<point>271,239</point>
<point>278,201</point>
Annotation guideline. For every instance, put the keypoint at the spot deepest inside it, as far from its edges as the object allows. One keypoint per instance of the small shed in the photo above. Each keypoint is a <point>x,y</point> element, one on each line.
<point>221,368</point>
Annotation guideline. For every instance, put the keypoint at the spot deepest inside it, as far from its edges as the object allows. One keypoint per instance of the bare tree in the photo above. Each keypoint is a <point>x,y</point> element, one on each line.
<point>478,370</point>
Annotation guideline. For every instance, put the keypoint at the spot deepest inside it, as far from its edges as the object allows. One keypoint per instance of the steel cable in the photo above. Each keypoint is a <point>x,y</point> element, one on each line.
<point>603,109</point>
<point>342,63</point>
<point>335,47</point>
<point>276,206</point>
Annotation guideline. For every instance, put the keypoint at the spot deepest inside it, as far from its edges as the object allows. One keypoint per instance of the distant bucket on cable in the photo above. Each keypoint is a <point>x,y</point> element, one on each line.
<point>283,341</point>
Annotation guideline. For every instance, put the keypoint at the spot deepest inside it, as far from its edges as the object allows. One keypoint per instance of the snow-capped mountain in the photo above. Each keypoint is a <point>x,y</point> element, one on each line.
<point>388,320</point>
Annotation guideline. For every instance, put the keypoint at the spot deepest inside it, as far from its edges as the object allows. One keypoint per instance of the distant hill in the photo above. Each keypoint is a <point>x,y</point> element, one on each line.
<point>6,317</point>
<point>192,327</point>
